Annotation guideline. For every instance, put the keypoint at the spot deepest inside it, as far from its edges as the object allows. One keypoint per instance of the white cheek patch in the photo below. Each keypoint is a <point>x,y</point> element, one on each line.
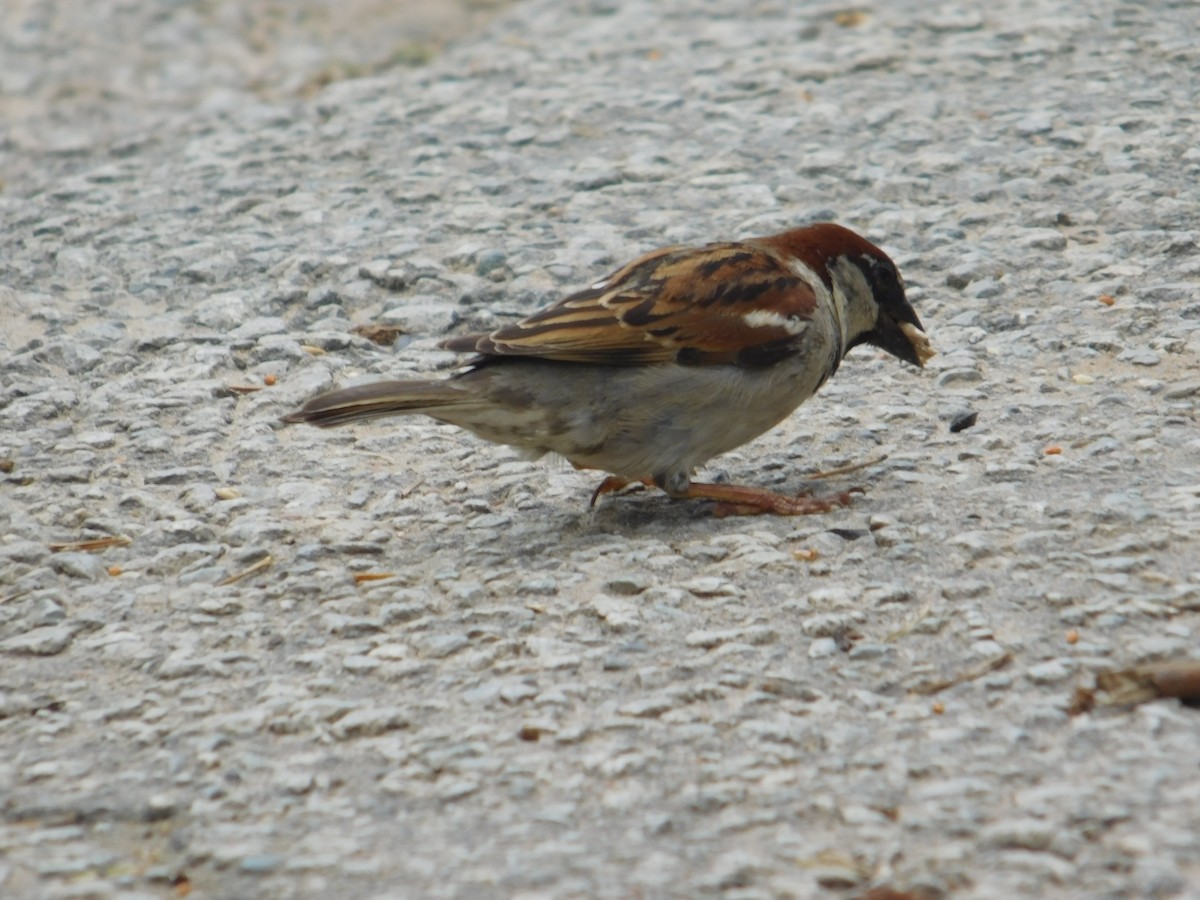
<point>765,318</point>
<point>854,306</point>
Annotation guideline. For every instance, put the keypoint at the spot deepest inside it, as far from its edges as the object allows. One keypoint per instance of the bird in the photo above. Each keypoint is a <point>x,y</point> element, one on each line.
<point>683,354</point>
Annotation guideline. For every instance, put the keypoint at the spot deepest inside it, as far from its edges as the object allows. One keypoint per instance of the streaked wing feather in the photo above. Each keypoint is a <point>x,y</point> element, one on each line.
<point>722,303</point>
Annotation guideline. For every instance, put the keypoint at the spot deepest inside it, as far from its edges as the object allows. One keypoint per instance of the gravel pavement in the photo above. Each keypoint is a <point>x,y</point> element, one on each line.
<point>393,661</point>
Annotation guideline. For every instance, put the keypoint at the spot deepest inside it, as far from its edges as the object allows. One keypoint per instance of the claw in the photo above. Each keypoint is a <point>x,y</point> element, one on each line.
<point>612,484</point>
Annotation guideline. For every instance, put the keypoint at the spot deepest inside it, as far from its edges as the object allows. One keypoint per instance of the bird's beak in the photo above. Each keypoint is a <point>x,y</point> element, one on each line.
<point>904,340</point>
<point>922,349</point>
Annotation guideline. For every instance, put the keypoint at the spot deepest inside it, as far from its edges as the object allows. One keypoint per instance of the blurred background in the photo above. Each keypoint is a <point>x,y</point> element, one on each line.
<point>74,73</point>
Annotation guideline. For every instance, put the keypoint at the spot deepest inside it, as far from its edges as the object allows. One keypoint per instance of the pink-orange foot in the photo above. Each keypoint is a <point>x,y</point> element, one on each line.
<point>736,500</point>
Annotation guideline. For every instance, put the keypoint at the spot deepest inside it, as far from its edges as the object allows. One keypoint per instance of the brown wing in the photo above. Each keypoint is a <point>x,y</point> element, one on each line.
<point>721,303</point>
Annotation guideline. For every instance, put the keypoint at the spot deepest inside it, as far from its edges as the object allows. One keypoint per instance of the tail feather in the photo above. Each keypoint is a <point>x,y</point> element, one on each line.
<point>374,401</point>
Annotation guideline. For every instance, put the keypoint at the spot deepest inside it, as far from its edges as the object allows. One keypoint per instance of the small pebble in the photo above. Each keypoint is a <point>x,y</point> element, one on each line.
<point>963,420</point>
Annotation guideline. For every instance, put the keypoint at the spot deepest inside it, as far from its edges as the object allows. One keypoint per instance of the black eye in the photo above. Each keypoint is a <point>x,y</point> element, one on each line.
<point>881,274</point>
<point>887,277</point>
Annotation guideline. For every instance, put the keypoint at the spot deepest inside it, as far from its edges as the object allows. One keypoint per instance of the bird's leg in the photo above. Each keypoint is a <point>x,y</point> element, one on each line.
<point>737,500</point>
<point>614,483</point>
<point>731,499</point>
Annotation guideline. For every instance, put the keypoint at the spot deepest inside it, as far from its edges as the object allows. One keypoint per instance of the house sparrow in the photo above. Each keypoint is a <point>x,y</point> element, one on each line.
<point>681,355</point>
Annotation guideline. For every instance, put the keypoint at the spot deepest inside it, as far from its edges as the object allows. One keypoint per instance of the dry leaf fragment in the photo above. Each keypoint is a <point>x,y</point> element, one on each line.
<point>1083,700</point>
<point>845,470</point>
<point>1179,679</point>
<point>850,18</point>
<point>376,333</point>
<point>116,540</point>
<point>259,566</point>
<point>361,577</point>
<point>988,665</point>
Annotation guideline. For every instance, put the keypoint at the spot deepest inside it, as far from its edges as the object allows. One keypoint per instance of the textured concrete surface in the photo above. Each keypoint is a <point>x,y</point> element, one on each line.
<point>392,661</point>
